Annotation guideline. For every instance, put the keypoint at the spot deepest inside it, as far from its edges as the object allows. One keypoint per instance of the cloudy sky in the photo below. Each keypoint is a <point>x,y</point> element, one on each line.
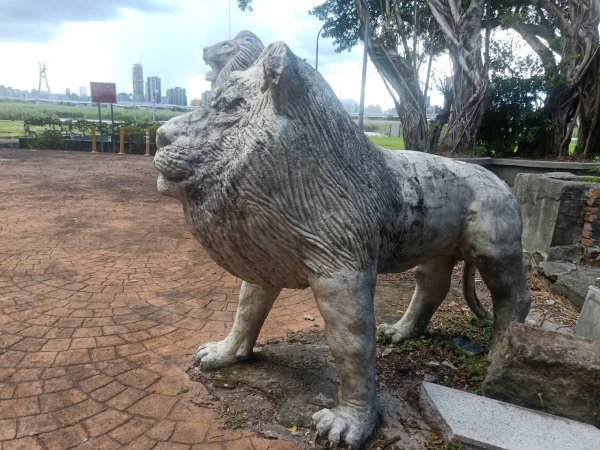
<point>99,40</point>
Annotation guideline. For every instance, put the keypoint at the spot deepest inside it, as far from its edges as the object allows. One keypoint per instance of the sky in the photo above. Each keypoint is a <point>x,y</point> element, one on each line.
<point>99,40</point>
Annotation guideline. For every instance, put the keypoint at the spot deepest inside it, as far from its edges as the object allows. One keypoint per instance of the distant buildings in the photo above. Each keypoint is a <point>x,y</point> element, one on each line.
<point>153,92</point>
<point>373,110</point>
<point>137,75</point>
<point>176,96</point>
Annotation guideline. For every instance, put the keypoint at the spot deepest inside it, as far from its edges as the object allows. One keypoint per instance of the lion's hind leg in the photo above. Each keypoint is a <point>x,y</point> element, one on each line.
<point>505,276</point>
<point>433,283</point>
<point>254,306</point>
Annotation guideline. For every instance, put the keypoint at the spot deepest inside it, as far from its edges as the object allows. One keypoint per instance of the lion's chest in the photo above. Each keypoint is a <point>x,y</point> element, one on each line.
<point>247,242</point>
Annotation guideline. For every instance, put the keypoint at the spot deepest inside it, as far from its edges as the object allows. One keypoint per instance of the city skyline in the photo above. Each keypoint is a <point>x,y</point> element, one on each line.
<point>102,41</point>
<point>174,95</point>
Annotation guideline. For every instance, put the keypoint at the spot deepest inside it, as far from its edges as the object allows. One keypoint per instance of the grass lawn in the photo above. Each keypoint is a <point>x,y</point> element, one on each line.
<point>391,143</point>
<point>9,128</point>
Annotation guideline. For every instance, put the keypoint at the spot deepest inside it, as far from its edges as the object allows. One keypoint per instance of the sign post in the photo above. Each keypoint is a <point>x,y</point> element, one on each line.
<point>104,93</point>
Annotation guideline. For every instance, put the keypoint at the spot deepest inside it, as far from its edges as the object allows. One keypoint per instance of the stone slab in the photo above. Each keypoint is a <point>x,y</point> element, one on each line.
<point>588,325</point>
<point>574,284</point>
<point>483,423</point>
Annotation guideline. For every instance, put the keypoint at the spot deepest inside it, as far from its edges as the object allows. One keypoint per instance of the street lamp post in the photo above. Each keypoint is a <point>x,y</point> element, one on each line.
<point>317,50</point>
<point>361,107</point>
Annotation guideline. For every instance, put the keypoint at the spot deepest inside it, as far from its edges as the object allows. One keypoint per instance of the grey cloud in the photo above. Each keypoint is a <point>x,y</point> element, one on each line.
<point>38,21</point>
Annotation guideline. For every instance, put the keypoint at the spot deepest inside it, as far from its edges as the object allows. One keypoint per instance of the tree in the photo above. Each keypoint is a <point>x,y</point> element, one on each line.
<point>401,77</point>
<point>401,38</point>
<point>402,35</point>
<point>564,35</point>
<point>471,89</point>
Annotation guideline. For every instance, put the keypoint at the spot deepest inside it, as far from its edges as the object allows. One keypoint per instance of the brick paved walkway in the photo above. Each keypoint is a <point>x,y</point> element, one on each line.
<point>104,296</point>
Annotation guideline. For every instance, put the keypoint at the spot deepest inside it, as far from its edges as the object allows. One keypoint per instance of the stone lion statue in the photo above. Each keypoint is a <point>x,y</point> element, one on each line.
<point>238,53</point>
<point>283,190</point>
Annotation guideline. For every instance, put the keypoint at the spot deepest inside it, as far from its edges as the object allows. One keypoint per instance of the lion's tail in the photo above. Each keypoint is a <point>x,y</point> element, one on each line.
<point>470,294</point>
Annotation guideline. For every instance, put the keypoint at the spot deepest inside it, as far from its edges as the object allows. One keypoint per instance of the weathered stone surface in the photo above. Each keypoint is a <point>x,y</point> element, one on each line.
<point>483,423</point>
<point>283,190</point>
<point>552,372</point>
<point>588,325</point>
<point>224,57</point>
<point>553,206</point>
<point>573,284</point>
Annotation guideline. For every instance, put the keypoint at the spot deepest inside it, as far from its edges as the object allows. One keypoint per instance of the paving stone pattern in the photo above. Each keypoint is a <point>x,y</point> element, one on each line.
<point>104,296</point>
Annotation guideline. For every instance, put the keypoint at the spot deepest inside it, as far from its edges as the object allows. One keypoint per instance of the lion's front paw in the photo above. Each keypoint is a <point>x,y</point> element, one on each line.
<point>215,355</point>
<point>397,332</point>
<point>346,424</point>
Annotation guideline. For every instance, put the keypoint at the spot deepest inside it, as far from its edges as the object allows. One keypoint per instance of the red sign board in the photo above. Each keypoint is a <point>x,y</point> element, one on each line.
<point>103,92</point>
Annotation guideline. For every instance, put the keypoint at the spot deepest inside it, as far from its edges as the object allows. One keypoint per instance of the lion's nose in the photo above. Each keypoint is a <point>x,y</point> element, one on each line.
<point>163,137</point>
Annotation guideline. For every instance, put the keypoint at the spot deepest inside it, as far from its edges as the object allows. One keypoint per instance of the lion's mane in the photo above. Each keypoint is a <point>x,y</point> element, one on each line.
<point>247,48</point>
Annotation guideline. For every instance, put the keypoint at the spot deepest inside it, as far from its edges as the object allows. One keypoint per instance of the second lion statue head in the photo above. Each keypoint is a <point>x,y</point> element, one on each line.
<point>224,57</point>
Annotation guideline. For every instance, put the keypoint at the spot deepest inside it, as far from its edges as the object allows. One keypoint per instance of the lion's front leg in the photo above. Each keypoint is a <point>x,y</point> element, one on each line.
<point>346,304</point>
<point>254,306</point>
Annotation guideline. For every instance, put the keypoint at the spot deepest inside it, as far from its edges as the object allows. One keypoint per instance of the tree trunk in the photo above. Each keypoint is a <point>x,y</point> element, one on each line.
<point>588,139</point>
<point>577,76</point>
<point>587,15</point>
<point>471,86</point>
<point>401,77</point>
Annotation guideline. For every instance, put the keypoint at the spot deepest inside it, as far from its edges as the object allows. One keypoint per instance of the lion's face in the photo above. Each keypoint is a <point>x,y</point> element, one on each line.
<point>238,53</point>
<point>196,150</point>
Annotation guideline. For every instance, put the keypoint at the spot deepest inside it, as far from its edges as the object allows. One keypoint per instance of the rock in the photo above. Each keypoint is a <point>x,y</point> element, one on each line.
<point>552,372</point>
<point>588,325</point>
<point>468,347</point>
<point>449,365</point>
<point>553,269</point>
<point>309,317</point>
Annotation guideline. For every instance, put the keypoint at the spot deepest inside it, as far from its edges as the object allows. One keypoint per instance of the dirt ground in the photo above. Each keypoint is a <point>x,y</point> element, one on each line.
<point>276,394</point>
<point>104,296</point>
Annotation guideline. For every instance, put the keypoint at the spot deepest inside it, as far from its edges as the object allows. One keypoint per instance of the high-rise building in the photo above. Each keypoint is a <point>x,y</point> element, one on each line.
<point>153,92</point>
<point>205,97</point>
<point>137,74</point>
<point>176,96</point>
<point>83,92</point>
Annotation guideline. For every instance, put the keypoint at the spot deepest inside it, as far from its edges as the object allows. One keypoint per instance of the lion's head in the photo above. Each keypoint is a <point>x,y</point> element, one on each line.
<point>238,53</point>
<point>261,169</point>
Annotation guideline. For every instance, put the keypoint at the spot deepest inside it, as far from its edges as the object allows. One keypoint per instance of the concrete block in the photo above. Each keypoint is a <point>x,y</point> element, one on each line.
<point>588,325</point>
<point>552,206</point>
<point>483,423</point>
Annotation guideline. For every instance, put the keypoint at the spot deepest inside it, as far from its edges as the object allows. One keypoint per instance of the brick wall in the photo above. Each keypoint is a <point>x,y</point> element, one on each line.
<point>590,235</point>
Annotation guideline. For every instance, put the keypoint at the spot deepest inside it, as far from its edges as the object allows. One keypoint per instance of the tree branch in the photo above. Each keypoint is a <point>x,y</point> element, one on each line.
<point>545,54</point>
<point>561,22</point>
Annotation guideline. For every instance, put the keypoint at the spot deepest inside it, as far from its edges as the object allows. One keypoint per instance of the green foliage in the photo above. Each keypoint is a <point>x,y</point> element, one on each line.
<point>590,179</point>
<point>50,140</point>
<point>232,422</point>
<point>392,26</point>
<point>18,110</point>
<point>515,118</point>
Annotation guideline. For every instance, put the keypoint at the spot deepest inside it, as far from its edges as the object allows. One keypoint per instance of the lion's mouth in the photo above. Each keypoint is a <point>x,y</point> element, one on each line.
<point>173,171</point>
<point>211,75</point>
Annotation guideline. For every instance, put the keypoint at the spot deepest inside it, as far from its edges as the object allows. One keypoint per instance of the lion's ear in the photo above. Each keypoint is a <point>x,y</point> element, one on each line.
<point>282,75</point>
